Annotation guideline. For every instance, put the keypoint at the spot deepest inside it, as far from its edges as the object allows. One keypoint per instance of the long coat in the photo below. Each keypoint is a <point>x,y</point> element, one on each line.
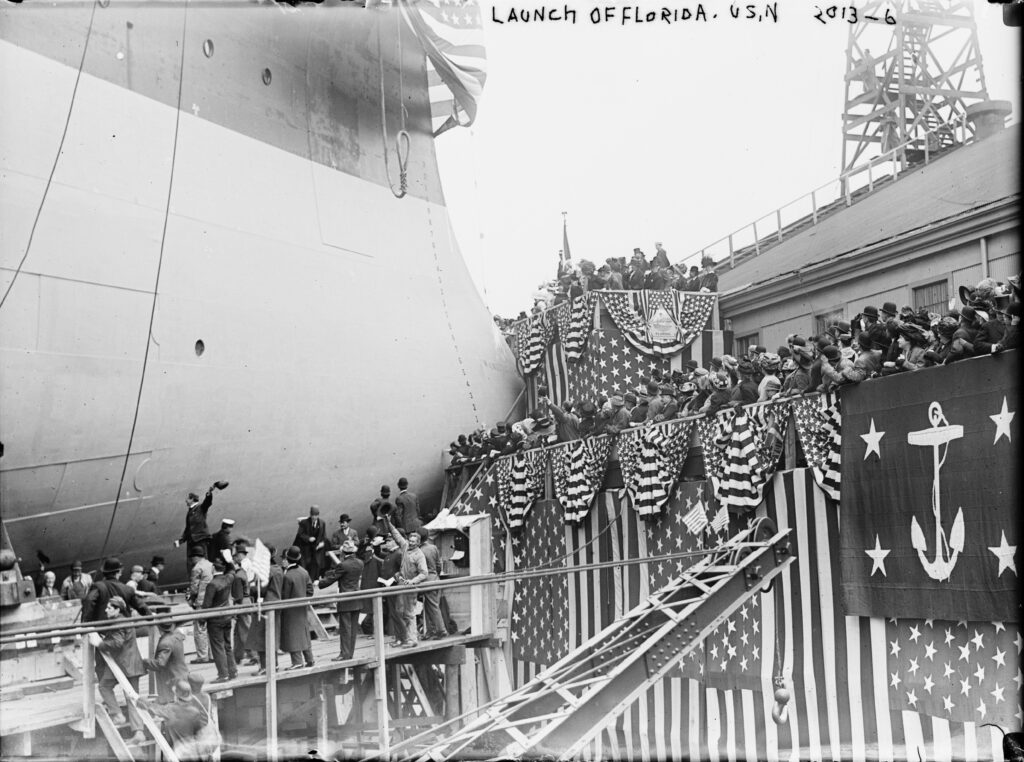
<point>168,663</point>
<point>294,624</point>
<point>257,638</point>
<point>349,576</point>
<point>371,571</point>
<point>121,645</point>
<point>308,547</point>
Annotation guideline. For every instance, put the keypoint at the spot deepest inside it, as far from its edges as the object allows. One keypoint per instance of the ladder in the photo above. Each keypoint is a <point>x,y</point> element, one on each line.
<point>568,704</point>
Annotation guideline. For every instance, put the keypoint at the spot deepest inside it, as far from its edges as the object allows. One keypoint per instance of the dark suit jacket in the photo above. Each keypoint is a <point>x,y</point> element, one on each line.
<point>349,575</point>
<point>307,546</point>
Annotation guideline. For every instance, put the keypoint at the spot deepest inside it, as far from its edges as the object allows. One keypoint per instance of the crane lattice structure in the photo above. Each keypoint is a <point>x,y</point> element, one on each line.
<point>912,69</point>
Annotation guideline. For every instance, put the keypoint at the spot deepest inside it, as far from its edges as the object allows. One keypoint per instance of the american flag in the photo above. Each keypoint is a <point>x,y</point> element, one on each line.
<point>540,632</point>
<point>734,650</point>
<point>746,468</point>
<point>523,483</point>
<point>696,519</point>
<point>713,432</point>
<point>532,338</point>
<point>451,32</point>
<point>481,496</point>
<point>631,311</point>
<point>575,319</point>
<point>819,426</point>
<point>694,314</point>
<point>609,366</point>
<point>959,671</point>
<point>651,459</point>
<point>578,468</point>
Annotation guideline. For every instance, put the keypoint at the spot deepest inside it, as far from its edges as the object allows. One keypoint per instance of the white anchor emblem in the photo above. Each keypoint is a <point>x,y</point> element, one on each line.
<point>948,549</point>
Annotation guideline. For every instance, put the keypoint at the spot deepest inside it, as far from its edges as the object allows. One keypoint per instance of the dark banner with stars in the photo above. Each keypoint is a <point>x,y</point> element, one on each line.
<point>929,506</point>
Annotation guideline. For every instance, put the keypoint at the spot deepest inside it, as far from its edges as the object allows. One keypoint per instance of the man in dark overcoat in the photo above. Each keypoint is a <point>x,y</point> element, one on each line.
<point>349,575</point>
<point>94,606</point>
<point>196,532</point>
<point>296,584</point>
<point>168,663</point>
<point>218,596</point>
<point>311,540</point>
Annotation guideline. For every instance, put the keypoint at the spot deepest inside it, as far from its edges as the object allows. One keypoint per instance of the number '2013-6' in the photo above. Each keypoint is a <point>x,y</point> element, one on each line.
<point>847,13</point>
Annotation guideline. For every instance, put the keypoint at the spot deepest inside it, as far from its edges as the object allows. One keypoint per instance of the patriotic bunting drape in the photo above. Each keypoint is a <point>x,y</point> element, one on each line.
<point>651,459</point>
<point>575,319</point>
<point>532,338</point>
<point>540,632</point>
<point>578,469</point>
<point>819,427</point>
<point>480,496</point>
<point>525,483</point>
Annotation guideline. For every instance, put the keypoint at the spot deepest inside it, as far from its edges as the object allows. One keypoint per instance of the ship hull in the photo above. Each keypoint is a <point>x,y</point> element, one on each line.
<point>343,343</point>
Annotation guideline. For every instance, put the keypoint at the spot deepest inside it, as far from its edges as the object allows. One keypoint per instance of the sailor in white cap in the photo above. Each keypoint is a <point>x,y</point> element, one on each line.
<point>222,539</point>
<point>348,574</point>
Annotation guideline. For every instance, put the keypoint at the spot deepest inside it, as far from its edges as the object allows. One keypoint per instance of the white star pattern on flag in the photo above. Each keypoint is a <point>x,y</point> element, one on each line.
<point>1002,421</point>
<point>873,439</point>
<point>877,556</point>
<point>1004,552</point>
<point>973,666</point>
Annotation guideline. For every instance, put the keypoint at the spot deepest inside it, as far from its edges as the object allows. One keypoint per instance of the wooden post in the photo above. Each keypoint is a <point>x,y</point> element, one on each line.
<point>154,637</point>
<point>789,444</point>
<point>270,644</point>
<point>452,705</point>
<point>380,678</point>
<point>88,689</point>
<point>322,719</point>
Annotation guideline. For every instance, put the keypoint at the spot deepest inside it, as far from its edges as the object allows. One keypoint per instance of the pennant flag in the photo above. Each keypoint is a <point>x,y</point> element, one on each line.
<point>540,631</point>
<point>451,33</point>
<point>696,519</point>
<point>721,520</point>
<point>930,522</point>
<point>260,560</point>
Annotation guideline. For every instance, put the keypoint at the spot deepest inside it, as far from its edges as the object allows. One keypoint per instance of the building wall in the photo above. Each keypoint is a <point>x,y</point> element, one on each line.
<point>959,264</point>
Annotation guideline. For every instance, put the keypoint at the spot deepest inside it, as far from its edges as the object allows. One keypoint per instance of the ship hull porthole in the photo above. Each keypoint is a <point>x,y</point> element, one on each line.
<point>200,348</point>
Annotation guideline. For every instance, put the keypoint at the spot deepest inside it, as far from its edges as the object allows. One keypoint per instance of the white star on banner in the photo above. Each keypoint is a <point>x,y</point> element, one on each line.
<point>878,557</point>
<point>873,439</point>
<point>1002,421</point>
<point>1004,552</point>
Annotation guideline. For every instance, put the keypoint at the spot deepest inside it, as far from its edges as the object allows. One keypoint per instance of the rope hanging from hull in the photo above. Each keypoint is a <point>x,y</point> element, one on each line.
<point>402,142</point>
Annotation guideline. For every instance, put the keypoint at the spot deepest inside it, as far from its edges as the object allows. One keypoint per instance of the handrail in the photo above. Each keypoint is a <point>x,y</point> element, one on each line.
<point>133,698</point>
<point>376,593</point>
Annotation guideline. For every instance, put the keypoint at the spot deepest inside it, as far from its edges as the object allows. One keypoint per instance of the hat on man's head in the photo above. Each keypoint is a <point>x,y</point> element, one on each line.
<point>76,565</point>
<point>652,388</point>
<point>588,409</point>
<point>823,341</point>
<point>870,311</point>
<point>716,363</point>
<point>889,308</point>
<point>700,372</point>
<point>344,517</point>
<point>864,340</point>
<point>691,365</point>
<point>797,341</point>
<point>241,547</point>
<point>629,397</point>
<point>137,569</point>
<point>947,326</point>
<point>744,366</point>
<point>314,510</point>
<point>111,564</point>
<point>157,560</point>
<point>969,313</point>
<point>831,352</point>
<point>543,422</point>
<point>197,552</point>
<point>293,554</point>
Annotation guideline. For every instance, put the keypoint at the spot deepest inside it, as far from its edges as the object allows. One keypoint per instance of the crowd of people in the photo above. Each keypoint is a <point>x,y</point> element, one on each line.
<point>617,274</point>
<point>879,341</point>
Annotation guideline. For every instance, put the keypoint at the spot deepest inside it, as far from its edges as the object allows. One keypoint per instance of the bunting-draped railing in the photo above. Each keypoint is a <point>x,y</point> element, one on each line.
<point>658,323</point>
<point>741,448</point>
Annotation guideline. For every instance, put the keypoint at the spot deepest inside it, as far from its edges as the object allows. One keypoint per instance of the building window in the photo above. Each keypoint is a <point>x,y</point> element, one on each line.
<point>934,297</point>
<point>743,344</point>
<point>823,321</point>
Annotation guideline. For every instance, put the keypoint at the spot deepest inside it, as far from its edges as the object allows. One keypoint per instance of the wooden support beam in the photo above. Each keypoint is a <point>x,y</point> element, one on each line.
<point>380,678</point>
<point>417,686</point>
<point>88,688</point>
<point>147,719</point>
<point>452,705</point>
<point>113,735</point>
<point>322,720</point>
<point>270,643</point>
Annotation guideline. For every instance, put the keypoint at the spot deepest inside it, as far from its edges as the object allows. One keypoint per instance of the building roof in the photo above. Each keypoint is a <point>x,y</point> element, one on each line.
<point>968,178</point>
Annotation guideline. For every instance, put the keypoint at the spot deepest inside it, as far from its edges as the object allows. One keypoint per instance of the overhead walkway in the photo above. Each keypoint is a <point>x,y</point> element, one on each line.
<point>568,704</point>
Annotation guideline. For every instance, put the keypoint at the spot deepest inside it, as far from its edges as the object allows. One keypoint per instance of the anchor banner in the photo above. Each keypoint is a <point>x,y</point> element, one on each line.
<point>929,516</point>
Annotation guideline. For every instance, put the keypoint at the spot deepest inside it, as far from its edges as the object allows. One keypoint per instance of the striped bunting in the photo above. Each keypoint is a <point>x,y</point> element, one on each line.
<point>524,485</point>
<point>578,468</point>
<point>651,459</point>
<point>575,319</point>
<point>819,426</point>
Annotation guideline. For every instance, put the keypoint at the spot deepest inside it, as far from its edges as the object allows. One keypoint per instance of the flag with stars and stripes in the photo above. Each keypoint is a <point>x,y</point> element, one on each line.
<point>747,463</point>
<point>696,519</point>
<point>734,651</point>
<point>575,319</point>
<point>533,336</point>
<point>651,459</point>
<point>540,631</point>
<point>959,671</point>
<point>578,468</point>
<point>521,478</point>
<point>610,366</point>
<point>480,496</point>
<point>819,427</point>
<point>694,314</point>
<point>451,33</point>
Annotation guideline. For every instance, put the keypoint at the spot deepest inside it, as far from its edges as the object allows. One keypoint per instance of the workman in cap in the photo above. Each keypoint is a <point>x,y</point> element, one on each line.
<point>138,581</point>
<point>200,576</point>
<point>311,540</point>
<point>76,584</point>
<point>222,539</point>
<point>119,646</point>
<point>348,575</point>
